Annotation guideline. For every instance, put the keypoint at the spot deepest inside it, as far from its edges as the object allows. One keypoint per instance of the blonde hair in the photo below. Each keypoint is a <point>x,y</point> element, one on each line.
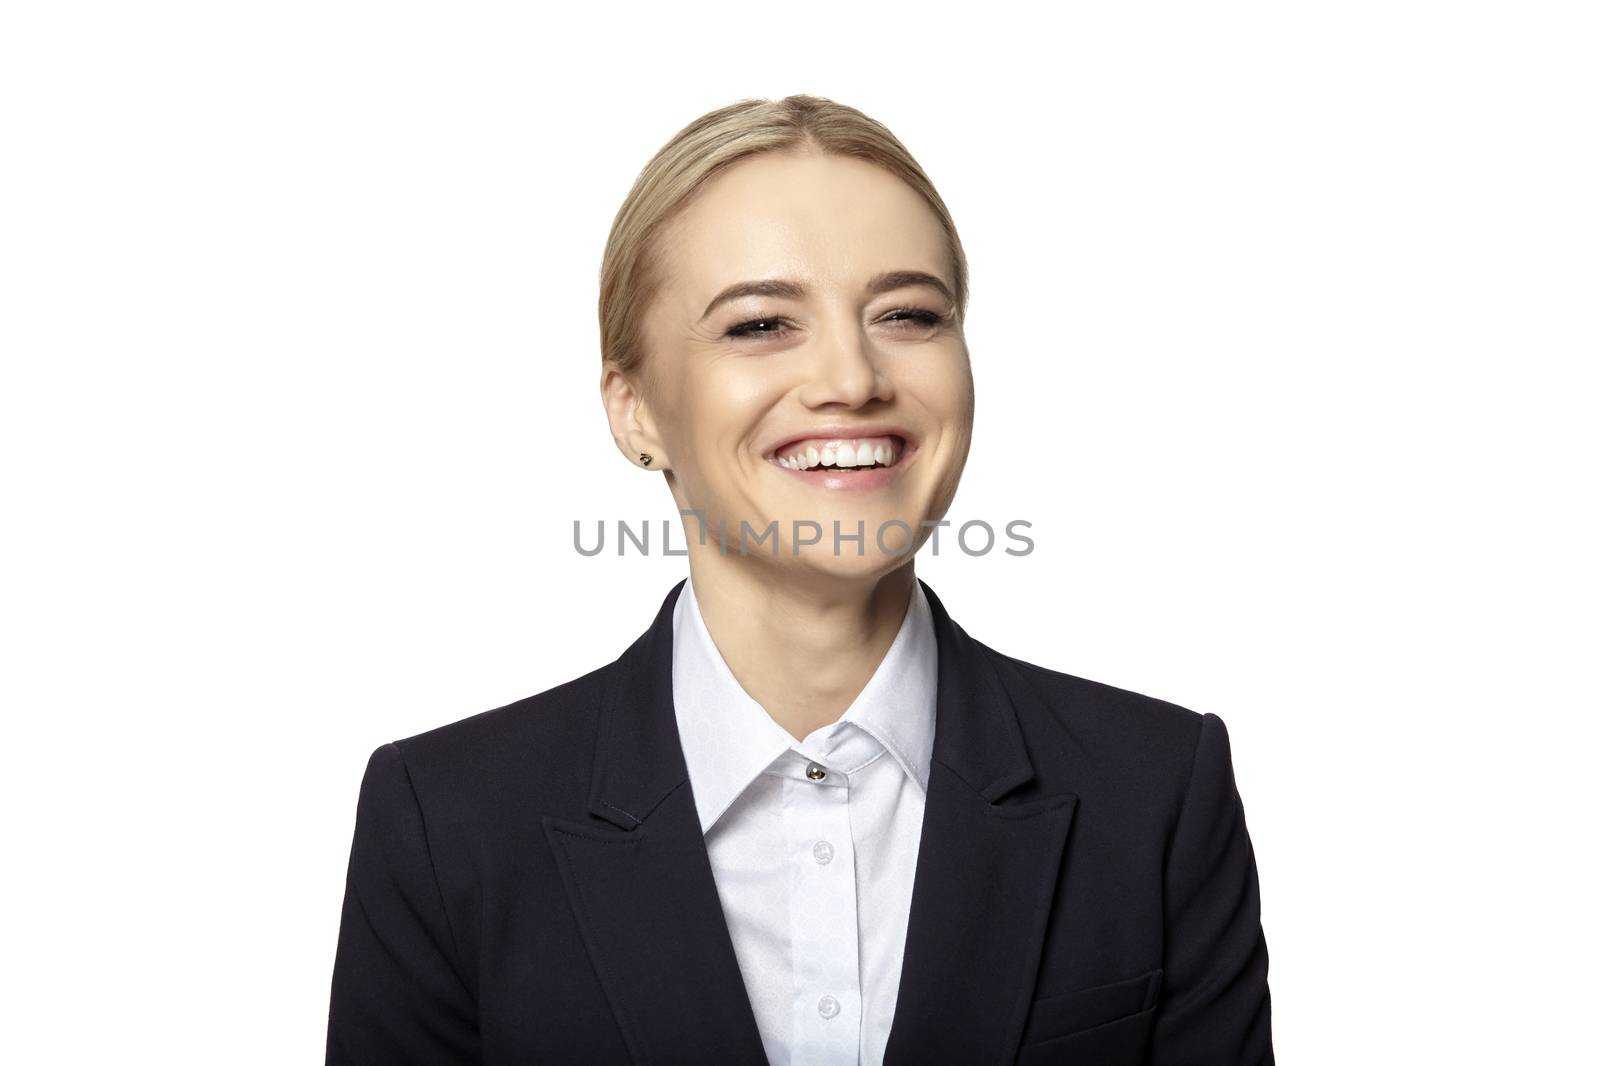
<point>629,278</point>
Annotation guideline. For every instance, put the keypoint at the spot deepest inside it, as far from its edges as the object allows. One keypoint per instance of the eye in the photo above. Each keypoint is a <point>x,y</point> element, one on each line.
<point>919,316</point>
<point>752,328</point>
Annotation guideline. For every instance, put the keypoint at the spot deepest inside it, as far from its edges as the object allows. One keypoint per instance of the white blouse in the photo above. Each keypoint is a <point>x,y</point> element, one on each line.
<point>813,843</point>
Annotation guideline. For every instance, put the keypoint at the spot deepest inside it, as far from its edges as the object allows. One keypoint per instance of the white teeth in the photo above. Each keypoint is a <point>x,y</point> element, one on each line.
<point>842,454</point>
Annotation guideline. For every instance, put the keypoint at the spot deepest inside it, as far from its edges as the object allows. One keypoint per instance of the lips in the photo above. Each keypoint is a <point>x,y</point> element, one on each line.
<point>818,457</point>
<point>904,442</point>
<point>841,454</point>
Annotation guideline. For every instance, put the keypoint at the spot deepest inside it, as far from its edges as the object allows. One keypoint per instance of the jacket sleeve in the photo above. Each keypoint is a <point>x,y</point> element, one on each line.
<point>398,993</point>
<point>1215,1007</point>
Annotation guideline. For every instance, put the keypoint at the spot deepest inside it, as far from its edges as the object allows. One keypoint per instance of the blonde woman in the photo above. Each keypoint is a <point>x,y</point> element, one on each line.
<point>804,817</point>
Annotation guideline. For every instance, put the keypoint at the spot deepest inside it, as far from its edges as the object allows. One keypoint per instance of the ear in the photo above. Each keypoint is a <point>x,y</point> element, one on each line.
<point>632,422</point>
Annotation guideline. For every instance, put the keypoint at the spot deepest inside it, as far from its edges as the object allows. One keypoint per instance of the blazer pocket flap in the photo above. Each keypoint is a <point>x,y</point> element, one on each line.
<point>1069,1012</point>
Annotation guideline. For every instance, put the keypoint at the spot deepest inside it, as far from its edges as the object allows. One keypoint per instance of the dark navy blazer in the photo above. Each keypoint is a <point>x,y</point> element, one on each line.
<point>531,884</point>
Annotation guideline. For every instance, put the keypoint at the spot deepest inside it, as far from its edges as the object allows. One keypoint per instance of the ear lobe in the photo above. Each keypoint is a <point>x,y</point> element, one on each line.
<point>651,457</point>
<point>629,416</point>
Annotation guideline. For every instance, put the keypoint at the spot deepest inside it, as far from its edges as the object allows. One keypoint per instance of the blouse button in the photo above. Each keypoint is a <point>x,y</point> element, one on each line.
<point>815,772</point>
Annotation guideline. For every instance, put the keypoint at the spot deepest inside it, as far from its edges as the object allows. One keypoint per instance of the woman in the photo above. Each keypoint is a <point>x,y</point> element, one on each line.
<point>804,817</point>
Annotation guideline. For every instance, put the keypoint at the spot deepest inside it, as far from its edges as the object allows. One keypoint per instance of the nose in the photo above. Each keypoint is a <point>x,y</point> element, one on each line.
<point>845,373</point>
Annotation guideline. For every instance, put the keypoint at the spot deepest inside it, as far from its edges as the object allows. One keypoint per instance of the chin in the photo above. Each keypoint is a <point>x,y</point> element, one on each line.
<point>897,523</point>
<point>826,566</point>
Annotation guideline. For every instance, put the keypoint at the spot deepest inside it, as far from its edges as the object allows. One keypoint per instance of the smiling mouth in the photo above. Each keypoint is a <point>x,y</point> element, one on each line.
<point>843,456</point>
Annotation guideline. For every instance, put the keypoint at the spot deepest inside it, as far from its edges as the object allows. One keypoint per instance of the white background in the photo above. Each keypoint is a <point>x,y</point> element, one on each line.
<point>1283,322</point>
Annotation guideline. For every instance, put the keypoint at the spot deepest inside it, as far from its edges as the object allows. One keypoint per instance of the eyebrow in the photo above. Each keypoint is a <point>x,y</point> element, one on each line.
<point>793,290</point>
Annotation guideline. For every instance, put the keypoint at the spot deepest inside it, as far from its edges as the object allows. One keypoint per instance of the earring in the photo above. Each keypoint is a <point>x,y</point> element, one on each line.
<point>645,458</point>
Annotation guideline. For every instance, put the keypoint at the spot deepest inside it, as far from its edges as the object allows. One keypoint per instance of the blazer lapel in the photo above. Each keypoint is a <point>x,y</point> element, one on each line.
<point>639,877</point>
<point>987,867</point>
<point>640,883</point>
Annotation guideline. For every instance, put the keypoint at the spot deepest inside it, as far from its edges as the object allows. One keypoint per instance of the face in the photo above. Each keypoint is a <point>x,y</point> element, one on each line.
<point>806,366</point>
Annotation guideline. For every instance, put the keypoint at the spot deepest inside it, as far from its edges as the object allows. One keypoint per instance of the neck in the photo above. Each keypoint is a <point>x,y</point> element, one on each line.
<point>802,648</point>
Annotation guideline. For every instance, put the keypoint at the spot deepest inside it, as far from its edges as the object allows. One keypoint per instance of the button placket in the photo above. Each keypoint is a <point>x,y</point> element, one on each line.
<point>824,928</point>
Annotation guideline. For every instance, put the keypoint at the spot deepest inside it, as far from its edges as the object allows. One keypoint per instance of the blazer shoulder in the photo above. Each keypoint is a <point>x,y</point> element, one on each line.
<point>1100,716</point>
<point>554,727</point>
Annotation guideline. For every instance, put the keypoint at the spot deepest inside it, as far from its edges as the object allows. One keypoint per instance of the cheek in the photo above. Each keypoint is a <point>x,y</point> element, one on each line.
<point>741,390</point>
<point>736,393</point>
<point>718,410</point>
<point>945,387</point>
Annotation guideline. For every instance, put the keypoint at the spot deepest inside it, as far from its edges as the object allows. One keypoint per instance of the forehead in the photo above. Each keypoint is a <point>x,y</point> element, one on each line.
<point>829,221</point>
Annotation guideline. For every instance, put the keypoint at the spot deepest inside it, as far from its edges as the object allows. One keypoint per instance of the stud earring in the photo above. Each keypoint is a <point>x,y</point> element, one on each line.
<point>645,458</point>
